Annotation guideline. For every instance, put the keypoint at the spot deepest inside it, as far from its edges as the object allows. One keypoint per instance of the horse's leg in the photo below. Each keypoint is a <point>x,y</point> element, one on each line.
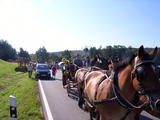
<point>97,116</point>
<point>68,86</point>
<point>63,80</point>
<point>81,100</point>
<point>91,115</point>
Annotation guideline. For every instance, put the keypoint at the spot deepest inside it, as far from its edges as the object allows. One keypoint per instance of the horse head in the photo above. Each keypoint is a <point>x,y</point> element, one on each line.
<point>145,77</point>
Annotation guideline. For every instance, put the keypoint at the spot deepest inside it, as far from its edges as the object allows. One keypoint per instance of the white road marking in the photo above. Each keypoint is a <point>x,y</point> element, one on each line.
<point>48,111</point>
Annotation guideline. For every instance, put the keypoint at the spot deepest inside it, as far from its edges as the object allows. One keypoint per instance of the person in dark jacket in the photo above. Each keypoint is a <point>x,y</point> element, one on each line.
<point>78,61</point>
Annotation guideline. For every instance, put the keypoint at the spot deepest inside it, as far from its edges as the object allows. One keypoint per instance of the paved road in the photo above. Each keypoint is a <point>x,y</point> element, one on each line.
<point>63,107</point>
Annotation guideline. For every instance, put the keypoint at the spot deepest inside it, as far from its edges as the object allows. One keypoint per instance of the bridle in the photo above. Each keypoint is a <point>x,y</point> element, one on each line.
<point>134,74</point>
<point>141,90</point>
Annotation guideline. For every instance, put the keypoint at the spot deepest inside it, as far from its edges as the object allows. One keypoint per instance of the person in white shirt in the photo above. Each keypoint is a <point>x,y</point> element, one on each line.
<point>30,69</point>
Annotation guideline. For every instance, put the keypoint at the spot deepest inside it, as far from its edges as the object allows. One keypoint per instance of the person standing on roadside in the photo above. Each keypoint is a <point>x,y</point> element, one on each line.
<point>30,69</point>
<point>54,68</point>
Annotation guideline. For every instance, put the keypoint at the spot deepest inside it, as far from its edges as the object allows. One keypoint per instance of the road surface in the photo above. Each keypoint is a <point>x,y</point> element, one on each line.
<point>62,107</point>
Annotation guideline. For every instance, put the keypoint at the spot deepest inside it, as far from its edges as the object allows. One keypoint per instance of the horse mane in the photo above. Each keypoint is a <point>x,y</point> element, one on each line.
<point>119,66</point>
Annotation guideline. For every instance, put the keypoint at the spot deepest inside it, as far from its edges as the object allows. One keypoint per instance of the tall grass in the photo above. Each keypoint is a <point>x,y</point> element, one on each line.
<point>24,89</point>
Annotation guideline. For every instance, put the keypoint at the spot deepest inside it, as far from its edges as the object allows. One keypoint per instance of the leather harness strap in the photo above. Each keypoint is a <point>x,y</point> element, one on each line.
<point>122,101</point>
<point>117,96</point>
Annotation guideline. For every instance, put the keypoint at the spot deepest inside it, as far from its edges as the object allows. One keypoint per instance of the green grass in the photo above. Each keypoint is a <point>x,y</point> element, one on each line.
<point>24,89</point>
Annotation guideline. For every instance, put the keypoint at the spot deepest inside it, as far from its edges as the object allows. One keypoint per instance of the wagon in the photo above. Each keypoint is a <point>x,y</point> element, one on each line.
<point>68,80</point>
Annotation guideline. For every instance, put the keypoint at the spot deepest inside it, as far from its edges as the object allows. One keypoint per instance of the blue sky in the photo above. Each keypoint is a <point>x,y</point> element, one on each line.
<point>75,24</point>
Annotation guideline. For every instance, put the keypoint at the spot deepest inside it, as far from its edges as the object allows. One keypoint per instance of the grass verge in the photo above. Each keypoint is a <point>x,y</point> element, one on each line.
<point>24,89</point>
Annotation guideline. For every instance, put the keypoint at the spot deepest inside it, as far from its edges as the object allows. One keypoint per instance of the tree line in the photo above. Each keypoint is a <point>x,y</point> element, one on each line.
<point>7,52</point>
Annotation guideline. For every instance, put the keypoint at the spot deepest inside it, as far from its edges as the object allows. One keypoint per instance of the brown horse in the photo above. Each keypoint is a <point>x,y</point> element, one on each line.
<point>79,78</point>
<point>100,62</point>
<point>153,112</point>
<point>68,80</point>
<point>115,97</point>
<point>65,74</point>
<point>68,72</point>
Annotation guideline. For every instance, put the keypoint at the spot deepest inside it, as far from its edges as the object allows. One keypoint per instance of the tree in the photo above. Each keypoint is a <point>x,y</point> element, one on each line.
<point>93,52</point>
<point>23,53</point>
<point>54,57</point>
<point>42,55</point>
<point>6,51</point>
<point>131,50</point>
<point>67,54</point>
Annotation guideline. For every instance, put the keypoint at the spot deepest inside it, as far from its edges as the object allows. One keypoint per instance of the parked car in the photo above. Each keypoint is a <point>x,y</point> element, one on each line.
<point>42,71</point>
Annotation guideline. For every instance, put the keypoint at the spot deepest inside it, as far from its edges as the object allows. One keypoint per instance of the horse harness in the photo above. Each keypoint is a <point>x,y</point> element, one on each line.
<point>119,98</point>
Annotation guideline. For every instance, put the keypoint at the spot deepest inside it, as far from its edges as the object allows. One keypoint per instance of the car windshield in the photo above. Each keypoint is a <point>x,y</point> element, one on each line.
<point>42,67</point>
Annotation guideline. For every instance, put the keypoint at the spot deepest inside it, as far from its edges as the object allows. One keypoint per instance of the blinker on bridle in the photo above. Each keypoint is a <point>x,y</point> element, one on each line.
<point>141,90</point>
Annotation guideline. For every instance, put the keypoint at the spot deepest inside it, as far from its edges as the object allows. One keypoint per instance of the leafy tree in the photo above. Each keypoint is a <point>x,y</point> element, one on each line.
<point>93,52</point>
<point>23,53</point>
<point>54,57</point>
<point>42,55</point>
<point>109,52</point>
<point>66,54</point>
<point>131,50</point>
<point>117,51</point>
<point>6,51</point>
<point>120,51</point>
